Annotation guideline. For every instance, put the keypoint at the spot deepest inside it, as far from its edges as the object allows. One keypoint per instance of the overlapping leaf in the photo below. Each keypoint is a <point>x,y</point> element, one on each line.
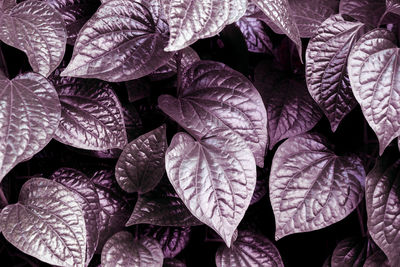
<point>124,40</point>
<point>311,187</point>
<point>374,72</point>
<point>393,6</point>
<point>377,259</point>
<point>212,96</point>
<point>350,252</point>
<point>47,223</point>
<point>254,32</point>
<point>29,116</point>
<point>365,11</point>
<point>37,29</point>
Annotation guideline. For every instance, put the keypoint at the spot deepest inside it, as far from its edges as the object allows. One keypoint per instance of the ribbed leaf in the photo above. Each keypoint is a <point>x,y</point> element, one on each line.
<point>254,32</point>
<point>350,252</point>
<point>365,11</point>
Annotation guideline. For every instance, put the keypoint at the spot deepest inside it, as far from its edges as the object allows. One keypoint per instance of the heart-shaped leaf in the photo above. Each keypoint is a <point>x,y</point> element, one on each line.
<point>191,20</point>
<point>47,223</point>
<point>122,250</point>
<point>254,32</point>
<point>365,11</point>
<point>326,67</point>
<point>308,183</point>
<point>249,249</point>
<point>142,163</point>
<point>374,72</point>
<point>383,206</point>
<point>124,40</point>
<point>37,29</point>
<point>350,252</point>
<point>29,116</point>
<point>377,259</point>
<point>212,96</point>
<point>214,176</point>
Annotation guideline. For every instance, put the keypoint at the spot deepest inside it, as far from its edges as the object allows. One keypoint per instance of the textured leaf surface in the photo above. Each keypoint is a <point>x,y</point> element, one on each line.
<point>249,249</point>
<point>29,116</point>
<point>393,6</point>
<point>124,40</point>
<point>212,96</point>
<point>312,188</point>
<point>383,207</point>
<point>260,191</point>
<point>377,259</point>
<point>374,72</point>
<point>350,252</point>
<point>254,32</point>
<point>123,250</point>
<point>37,29</point>
<point>47,223</point>
<point>215,177</point>
<point>142,163</point>
<point>174,263</point>
<point>326,67</point>
<point>365,11</point>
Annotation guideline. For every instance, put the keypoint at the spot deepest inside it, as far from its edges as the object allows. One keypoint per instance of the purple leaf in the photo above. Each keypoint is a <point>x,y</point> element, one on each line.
<point>350,252</point>
<point>260,191</point>
<point>365,11</point>
<point>374,75</point>
<point>5,5</point>
<point>249,249</point>
<point>393,6</point>
<point>38,30</point>
<point>29,116</point>
<point>124,40</point>
<point>173,263</point>
<point>377,259</point>
<point>47,223</point>
<point>311,187</point>
<point>214,176</point>
<point>212,96</point>
<point>254,32</point>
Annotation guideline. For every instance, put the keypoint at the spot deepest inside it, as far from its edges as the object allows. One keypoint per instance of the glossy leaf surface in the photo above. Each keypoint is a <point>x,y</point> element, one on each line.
<point>254,32</point>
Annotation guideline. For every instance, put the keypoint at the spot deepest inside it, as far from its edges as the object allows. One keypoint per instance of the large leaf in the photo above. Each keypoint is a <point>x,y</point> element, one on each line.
<point>212,96</point>
<point>91,114</point>
<point>374,72</point>
<point>254,32</point>
<point>249,249</point>
<point>124,40</point>
<point>350,252</point>
<point>88,198</point>
<point>214,176</point>
<point>142,163</point>
<point>47,223</point>
<point>190,20</point>
<point>326,67</point>
<point>29,116</point>
<point>365,11</point>
<point>383,206</point>
<point>122,250</point>
<point>37,29</point>
<point>311,187</point>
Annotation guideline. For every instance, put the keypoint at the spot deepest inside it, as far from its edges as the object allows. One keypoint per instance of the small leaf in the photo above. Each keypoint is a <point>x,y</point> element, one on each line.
<point>350,252</point>
<point>142,163</point>
<point>29,116</point>
<point>249,250</point>
<point>122,250</point>
<point>377,259</point>
<point>365,11</point>
<point>259,192</point>
<point>254,32</point>
<point>374,75</point>
<point>215,177</point>
<point>37,29</point>
<point>326,67</point>
<point>124,40</point>
<point>47,223</point>
<point>311,187</point>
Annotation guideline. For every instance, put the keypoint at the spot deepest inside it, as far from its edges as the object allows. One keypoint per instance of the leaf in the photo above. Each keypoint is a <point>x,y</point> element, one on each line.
<point>350,252</point>
<point>91,114</point>
<point>38,30</point>
<point>142,163</point>
<point>29,116</point>
<point>255,35</point>
<point>5,5</point>
<point>123,40</point>
<point>374,76</point>
<point>291,110</point>
<point>212,96</point>
<point>311,187</point>
<point>191,20</point>
<point>259,192</point>
<point>377,259</point>
<point>87,197</point>
<point>162,207</point>
<point>173,263</point>
<point>383,206</point>
<point>365,11</point>
<point>47,223</point>
<point>249,249</point>
<point>214,176</point>
<point>123,250</point>
<point>393,6</point>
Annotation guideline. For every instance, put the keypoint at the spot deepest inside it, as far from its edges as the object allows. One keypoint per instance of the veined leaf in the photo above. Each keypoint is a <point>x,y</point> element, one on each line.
<point>254,33</point>
<point>350,252</point>
<point>393,6</point>
<point>365,11</point>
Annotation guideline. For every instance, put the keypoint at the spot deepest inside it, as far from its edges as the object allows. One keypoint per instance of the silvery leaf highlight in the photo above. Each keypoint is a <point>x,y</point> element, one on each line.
<point>214,176</point>
<point>249,249</point>
<point>37,29</point>
<point>142,162</point>
<point>326,67</point>
<point>212,96</point>
<point>374,72</point>
<point>191,20</point>
<point>393,6</point>
<point>350,252</point>
<point>122,250</point>
<point>365,11</point>
<point>47,223</point>
<point>311,187</point>
<point>123,40</point>
<point>29,116</point>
